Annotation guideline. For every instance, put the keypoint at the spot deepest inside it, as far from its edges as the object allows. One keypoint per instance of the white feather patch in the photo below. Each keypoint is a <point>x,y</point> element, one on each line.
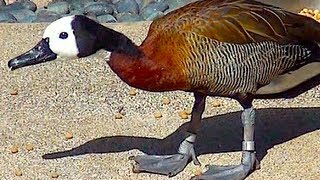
<point>62,47</point>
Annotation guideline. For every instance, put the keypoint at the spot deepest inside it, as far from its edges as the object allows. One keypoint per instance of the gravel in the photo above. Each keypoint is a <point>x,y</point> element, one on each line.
<point>82,96</point>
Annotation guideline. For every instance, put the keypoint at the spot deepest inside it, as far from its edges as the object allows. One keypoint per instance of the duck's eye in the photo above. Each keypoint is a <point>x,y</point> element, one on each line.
<point>63,35</point>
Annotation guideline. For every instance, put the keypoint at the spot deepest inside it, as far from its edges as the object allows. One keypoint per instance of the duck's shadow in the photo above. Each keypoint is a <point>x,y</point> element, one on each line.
<point>222,133</point>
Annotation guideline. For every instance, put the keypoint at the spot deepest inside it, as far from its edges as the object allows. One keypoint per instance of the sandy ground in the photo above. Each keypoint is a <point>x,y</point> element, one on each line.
<point>82,96</point>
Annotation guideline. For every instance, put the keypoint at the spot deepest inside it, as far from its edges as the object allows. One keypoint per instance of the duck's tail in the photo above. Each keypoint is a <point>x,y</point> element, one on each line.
<point>315,50</point>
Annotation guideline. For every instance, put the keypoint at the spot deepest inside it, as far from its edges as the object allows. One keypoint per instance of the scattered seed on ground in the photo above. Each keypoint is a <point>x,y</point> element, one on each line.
<point>133,92</point>
<point>197,171</point>
<point>69,135</point>
<point>14,92</point>
<point>29,147</point>
<point>216,103</point>
<point>14,149</point>
<point>118,115</point>
<point>18,172</point>
<point>54,175</point>
<point>158,114</point>
<point>183,115</point>
<point>166,101</point>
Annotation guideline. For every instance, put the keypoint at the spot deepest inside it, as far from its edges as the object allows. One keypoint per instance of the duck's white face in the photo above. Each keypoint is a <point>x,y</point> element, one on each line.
<point>61,37</point>
<point>69,37</point>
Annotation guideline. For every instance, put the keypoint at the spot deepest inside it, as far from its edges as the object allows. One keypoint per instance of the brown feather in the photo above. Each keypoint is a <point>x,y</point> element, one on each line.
<point>177,50</point>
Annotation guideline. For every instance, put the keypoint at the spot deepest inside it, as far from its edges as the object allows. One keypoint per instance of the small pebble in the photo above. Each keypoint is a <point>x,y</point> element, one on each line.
<point>166,101</point>
<point>54,175</point>
<point>18,172</point>
<point>29,147</point>
<point>69,135</point>
<point>183,115</point>
<point>216,103</point>
<point>14,92</point>
<point>14,149</point>
<point>133,92</point>
<point>158,114</point>
<point>118,115</point>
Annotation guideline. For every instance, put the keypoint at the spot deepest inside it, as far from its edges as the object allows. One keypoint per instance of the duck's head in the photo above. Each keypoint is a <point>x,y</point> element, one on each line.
<point>71,37</point>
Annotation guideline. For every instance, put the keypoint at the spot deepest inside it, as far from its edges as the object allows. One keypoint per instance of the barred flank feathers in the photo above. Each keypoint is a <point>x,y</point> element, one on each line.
<point>226,68</point>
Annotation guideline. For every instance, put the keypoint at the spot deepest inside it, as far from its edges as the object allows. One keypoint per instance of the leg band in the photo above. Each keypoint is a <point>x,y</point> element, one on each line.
<point>248,145</point>
<point>187,144</point>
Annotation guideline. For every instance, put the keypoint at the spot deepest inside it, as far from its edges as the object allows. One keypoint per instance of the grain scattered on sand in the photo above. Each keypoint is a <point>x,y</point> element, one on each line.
<point>14,149</point>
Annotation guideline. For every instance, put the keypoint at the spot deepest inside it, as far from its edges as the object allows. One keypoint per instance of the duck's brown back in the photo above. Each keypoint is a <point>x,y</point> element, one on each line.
<point>227,47</point>
<point>239,21</point>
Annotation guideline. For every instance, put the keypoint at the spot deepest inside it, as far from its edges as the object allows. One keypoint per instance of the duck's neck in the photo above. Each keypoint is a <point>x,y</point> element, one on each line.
<point>114,41</point>
<point>134,65</point>
<point>92,36</point>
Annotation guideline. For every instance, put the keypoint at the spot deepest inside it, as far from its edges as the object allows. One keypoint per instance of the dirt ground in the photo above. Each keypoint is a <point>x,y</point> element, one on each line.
<point>40,104</point>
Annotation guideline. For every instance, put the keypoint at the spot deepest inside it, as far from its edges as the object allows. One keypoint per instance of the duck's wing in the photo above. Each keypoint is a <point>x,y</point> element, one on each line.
<point>239,21</point>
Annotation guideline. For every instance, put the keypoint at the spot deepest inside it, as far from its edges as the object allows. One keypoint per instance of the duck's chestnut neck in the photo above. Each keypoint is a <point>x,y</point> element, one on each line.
<point>92,36</point>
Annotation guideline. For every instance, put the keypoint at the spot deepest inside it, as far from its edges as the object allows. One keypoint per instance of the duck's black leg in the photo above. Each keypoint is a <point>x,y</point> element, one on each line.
<point>173,164</point>
<point>249,161</point>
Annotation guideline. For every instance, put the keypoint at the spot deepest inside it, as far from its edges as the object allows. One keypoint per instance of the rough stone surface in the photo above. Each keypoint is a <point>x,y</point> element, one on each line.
<point>106,19</point>
<point>7,17</point>
<point>99,9</point>
<point>44,15</point>
<point>2,3</point>
<point>127,6</point>
<point>83,96</point>
<point>59,7</point>
<point>152,8</point>
<point>24,15</point>
<point>29,5</point>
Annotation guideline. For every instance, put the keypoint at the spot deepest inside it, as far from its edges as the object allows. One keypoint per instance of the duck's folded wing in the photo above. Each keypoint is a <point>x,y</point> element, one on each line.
<point>240,21</point>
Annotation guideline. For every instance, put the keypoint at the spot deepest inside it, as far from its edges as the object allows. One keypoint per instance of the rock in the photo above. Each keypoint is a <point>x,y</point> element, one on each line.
<point>24,15</point>
<point>6,17</point>
<point>143,3</point>
<point>155,15</point>
<point>149,11</point>
<point>44,15</point>
<point>59,7</point>
<point>99,9</point>
<point>88,2</point>
<point>174,4</point>
<point>76,5</point>
<point>128,17</point>
<point>92,16</point>
<point>127,6</point>
<point>28,5</point>
<point>106,19</point>
<point>2,3</point>
<point>11,7</point>
<point>76,12</point>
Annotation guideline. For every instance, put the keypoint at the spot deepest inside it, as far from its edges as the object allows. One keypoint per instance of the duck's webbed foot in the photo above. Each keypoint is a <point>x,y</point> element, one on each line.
<point>248,164</point>
<point>169,165</point>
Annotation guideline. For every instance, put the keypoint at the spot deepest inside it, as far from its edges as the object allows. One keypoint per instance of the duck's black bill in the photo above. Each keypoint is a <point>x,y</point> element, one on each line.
<point>39,54</point>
